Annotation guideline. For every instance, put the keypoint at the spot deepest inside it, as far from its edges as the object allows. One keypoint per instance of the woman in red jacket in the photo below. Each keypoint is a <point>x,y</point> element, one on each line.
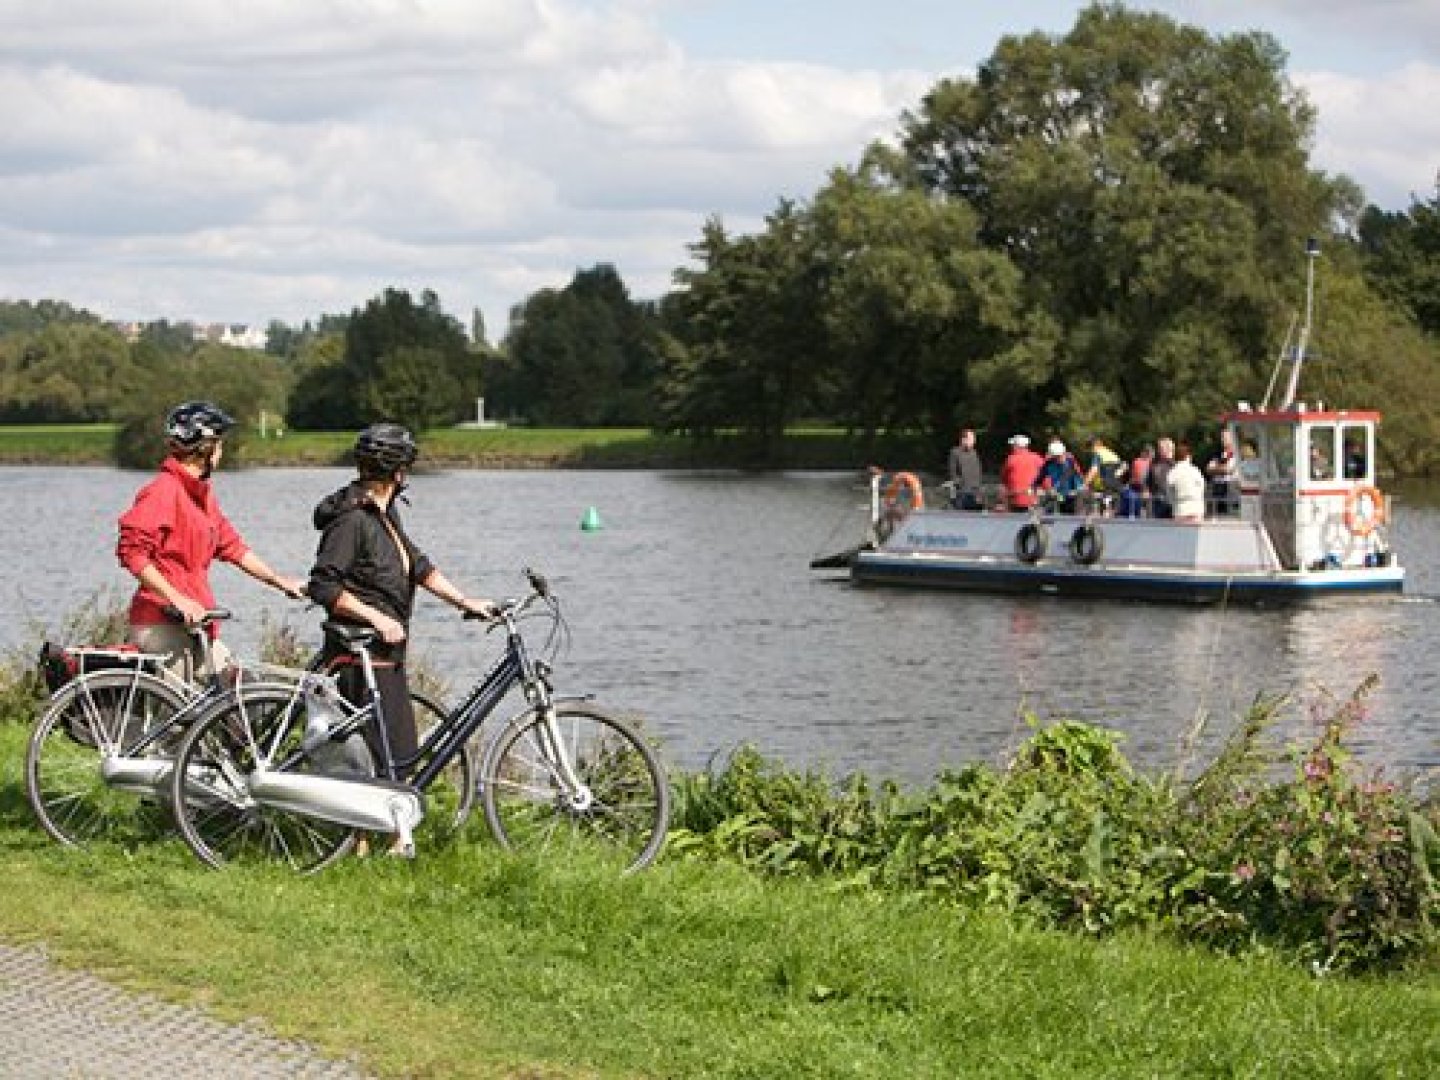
<point>174,531</point>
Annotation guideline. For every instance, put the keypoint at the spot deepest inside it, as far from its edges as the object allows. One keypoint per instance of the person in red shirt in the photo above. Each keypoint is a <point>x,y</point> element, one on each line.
<point>172,533</point>
<point>1019,473</point>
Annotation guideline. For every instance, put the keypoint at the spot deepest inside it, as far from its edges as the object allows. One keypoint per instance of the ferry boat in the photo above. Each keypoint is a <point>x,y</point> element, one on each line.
<point>1310,522</point>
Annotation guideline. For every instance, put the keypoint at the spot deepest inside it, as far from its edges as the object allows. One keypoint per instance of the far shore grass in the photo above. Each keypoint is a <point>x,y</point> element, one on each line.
<point>497,448</point>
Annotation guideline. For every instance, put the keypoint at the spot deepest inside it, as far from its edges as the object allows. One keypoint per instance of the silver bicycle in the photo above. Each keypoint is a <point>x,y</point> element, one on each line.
<point>98,764</point>
<point>295,772</point>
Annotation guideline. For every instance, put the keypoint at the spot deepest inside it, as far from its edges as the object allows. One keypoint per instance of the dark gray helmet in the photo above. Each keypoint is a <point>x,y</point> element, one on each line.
<point>382,449</point>
<point>195,422</point>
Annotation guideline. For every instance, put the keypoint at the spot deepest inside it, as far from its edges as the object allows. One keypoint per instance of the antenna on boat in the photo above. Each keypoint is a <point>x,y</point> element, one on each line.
<point>1312,252</point>
<point>1280,361</point>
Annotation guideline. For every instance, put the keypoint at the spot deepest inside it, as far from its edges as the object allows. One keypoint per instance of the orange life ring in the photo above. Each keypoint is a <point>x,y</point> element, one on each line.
<point>908,482</point>
<point>1363,524</point>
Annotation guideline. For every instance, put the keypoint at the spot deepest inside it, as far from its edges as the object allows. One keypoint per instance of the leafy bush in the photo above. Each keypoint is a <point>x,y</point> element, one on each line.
<point>1329,864</point>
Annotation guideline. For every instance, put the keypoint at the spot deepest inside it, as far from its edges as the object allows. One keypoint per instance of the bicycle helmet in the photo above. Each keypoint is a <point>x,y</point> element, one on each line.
<point>383,449</point>
<point>196,422</point>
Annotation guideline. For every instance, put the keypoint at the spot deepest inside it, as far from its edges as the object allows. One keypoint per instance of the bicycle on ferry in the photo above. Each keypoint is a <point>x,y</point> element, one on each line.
<point>97,767</point>
<point>284,773</point>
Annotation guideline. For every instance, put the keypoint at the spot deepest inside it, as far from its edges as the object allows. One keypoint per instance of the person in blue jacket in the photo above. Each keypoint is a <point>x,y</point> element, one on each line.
<point>1060,477</point>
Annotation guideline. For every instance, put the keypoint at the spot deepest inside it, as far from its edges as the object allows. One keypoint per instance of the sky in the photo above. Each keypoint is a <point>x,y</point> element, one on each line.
<point>254,160</point>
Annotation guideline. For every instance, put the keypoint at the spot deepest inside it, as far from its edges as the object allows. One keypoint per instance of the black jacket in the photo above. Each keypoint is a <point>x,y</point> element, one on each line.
<point>358,555</point>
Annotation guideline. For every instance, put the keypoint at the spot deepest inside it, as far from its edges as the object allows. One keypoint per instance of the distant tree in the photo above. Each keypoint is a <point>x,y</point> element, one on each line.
<point>240,381</point>
<point>926,328</point>
<point>1403,257</point>
<point>392,328</point>
<point>749,319</point>
<point>314,402</point>
<point>585,355</point>
<point>68,371</point>
<point>415,387</point>
<point>167,336</point>
<point>26,317</point>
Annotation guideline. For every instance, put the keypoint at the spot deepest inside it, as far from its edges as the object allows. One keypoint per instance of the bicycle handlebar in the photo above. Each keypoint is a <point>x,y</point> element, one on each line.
<point>214,615</point>
<point>512,608</point>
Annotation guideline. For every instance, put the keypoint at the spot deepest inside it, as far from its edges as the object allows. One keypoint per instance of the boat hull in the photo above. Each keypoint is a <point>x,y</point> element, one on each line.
<point>1214,562</point>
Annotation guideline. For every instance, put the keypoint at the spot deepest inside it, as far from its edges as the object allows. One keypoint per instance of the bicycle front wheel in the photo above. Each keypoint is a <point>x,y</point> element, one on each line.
<point>259,727</point>
<point>580,777</point>
<point>97,764</point>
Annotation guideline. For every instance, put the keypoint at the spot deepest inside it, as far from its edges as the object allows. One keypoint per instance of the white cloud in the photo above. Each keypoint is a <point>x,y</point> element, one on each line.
<point>285,159</point>
<point>1372,130</point>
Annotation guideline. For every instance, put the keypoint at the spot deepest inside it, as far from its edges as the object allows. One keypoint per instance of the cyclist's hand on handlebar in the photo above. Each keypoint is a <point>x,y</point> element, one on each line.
<point>391,631</point>
<point>293,587</point>
<point>479,609</point>
<point>191,612</point>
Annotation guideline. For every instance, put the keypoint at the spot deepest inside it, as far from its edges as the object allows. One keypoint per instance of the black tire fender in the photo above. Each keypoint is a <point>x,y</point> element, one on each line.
<point>1031,542</point>
<point>1087,544</point>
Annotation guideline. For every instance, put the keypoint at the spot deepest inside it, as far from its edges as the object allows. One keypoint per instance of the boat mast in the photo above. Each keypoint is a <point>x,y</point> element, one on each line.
<point>1312,252</point>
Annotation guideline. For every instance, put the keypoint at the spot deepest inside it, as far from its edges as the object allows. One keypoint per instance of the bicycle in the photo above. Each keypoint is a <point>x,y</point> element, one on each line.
<point>280,774</point>
<point>98,763</point>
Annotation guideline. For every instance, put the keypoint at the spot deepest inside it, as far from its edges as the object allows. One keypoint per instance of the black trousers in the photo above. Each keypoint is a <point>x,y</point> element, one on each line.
<point>394,688</point>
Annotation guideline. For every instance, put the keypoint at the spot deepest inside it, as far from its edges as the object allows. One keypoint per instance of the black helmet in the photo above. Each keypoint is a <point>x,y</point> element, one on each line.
<point>195,422</point>
<point>382,449</point>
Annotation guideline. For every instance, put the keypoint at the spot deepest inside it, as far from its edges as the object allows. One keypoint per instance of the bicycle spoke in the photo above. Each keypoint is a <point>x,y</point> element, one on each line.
<point>619,808</point>
<point>85,726</point>
<point>253,728</point>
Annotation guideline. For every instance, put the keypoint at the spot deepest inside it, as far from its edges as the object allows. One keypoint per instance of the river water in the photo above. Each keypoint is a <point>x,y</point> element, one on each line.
<point>694,607</point>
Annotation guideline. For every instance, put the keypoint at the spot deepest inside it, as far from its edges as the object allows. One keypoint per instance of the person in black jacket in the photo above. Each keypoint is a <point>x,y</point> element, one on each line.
<point>365,574</point>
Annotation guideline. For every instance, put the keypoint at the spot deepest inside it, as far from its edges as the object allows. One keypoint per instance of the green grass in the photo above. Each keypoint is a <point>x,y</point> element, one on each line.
<point>471,963</point>
<point>802,448</point>
<point>59,444</point>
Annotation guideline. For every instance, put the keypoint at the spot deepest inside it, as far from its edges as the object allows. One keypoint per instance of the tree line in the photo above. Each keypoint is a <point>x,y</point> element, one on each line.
<point>1100,232</point>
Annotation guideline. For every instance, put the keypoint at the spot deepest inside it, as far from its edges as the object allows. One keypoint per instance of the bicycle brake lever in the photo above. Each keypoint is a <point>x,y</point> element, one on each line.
<point>538,582</point>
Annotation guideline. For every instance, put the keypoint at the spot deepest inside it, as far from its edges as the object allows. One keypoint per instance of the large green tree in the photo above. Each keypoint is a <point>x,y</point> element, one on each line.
<point>1151,181</point>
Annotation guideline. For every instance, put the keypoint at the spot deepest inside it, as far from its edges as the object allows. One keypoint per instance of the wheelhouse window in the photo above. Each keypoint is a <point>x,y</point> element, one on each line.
<point>1279,456</point>
<point>1355,452</point>
<point>1321,456</point>
<point>1247,438</point>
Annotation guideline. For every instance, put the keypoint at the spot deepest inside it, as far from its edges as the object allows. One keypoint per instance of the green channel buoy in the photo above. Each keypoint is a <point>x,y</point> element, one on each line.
<point>590,521</point>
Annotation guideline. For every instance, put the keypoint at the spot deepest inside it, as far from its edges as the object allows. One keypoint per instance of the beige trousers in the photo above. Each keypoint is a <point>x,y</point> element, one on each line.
<point>186,657</point>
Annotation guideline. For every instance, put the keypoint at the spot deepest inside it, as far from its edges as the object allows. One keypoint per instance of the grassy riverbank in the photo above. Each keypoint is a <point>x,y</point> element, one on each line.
<point>496,448</point>
<point>469,962</point>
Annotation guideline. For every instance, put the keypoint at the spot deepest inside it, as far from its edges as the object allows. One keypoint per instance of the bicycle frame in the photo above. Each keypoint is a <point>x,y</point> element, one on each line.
<point>514,668</point>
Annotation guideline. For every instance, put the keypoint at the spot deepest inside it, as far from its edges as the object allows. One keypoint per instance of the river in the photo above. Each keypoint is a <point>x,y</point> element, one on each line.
<point>693,607</point>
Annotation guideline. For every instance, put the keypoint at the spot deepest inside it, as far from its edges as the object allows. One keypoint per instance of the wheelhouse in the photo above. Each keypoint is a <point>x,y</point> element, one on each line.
<point>1308,476</point>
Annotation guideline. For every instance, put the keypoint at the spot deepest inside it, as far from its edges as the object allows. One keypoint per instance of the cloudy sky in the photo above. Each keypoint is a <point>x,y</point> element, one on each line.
<point>249,160</point>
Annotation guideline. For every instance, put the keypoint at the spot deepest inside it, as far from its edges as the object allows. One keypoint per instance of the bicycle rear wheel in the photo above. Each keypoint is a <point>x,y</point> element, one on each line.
<point>83,776</point>
<point>259,727</point>
<point>620,807</point>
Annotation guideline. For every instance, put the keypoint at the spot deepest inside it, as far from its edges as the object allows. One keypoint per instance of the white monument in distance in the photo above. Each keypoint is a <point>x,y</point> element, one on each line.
<point>480,421</point>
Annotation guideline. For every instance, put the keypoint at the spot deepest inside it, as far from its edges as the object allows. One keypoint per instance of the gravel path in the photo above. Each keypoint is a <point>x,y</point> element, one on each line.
<point>60,1023</point>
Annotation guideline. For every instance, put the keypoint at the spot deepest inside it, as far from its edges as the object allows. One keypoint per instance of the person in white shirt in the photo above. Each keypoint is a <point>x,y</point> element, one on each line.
<point>1186,486</point>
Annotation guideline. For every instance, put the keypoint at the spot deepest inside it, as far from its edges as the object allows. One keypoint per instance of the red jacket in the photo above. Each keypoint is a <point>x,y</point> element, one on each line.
<point>176,524</point>
<point>1018,474</point>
